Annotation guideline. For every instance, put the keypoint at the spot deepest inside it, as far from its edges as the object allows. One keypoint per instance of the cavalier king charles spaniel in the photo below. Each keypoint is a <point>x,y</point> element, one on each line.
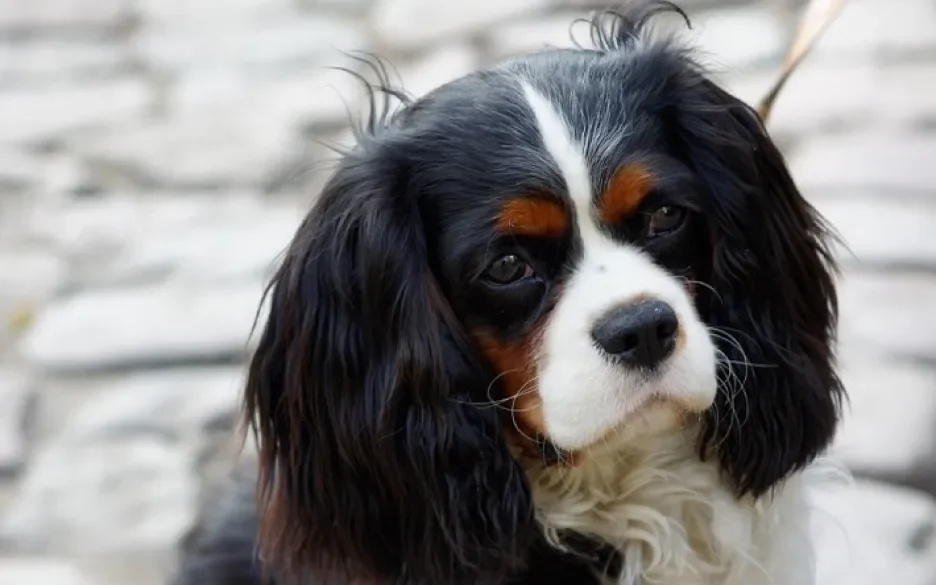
<point>566,320</point>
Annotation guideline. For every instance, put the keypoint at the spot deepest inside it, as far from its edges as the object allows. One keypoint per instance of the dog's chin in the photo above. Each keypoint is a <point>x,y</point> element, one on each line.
<point>657,416</point>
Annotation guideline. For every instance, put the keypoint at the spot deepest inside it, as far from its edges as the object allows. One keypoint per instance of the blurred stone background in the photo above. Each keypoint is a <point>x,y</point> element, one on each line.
<point>156,156</point>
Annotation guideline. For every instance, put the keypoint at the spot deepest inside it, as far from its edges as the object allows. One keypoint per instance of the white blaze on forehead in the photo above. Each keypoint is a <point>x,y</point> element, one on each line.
<point>566,152</point>
<point>582,392</point>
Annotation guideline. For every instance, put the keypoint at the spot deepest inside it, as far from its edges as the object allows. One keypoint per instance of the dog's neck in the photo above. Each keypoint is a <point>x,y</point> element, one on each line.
<point>671,516</point>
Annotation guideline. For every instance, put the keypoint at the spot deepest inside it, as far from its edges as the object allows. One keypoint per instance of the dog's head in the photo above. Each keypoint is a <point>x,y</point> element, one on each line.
<point>573,244</point>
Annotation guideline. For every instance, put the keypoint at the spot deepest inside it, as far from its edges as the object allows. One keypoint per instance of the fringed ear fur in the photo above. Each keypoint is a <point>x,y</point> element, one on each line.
<point>375,460</point>
<point>775,310</point>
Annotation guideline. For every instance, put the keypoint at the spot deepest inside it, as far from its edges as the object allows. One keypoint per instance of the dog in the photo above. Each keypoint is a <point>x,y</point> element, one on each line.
<point>564,320</point>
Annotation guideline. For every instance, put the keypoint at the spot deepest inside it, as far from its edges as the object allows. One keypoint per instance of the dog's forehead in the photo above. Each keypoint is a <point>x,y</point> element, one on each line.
<point>491,124</point>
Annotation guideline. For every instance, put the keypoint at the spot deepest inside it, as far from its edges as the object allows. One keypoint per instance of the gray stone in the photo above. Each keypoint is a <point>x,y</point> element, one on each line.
<point>99,229</point>
<point>267,44</point>
<point>879,228</point>
<point>40,179</point>
<point>179,402</point>
<point>39,115</point>
<point>55,62</point>
<point>211,250</point>
<point>19,171</point>
<point>445,64</point>
<point>739,37</point>
<point>346,6</point>
<point>888,428</point>
<point>891,312</point>
<point>412,24</point>
<point>131,239</point>
<point>870,533</point>
<point>103,497</point>
<point>44,570</point>
<point>38,16</point>
<point>824,96</point>
<point>159,324</point>
<point>312,97</point>
<point>144,568</point>
<point>208,148</point>
<point>65,175</point>
<point>13,207</point>
<point>182,12</point>
<point>29,278</point>
<point>16,396</point>
<point>866,29</point>
<point>880,160</point>
<point>528,35</point>
<point>93,230</point>
<point>729,39</point>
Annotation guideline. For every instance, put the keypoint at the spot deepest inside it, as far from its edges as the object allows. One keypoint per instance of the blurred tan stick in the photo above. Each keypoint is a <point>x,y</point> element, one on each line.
<point>817,18</point>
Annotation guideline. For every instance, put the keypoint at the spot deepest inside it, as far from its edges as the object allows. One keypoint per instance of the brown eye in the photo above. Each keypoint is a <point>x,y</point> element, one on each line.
<point>507,269</point>
<point>665,220</point>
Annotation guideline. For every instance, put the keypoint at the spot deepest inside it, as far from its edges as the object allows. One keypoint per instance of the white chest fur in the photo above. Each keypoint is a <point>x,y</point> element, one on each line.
<point>674,519</point>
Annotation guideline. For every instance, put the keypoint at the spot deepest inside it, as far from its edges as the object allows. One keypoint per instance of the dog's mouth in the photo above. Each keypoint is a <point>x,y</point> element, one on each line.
<point>658,413</point>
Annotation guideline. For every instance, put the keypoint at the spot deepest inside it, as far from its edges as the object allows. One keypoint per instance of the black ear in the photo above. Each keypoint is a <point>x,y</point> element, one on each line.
<point>376,462</point>
<point>774,313</point>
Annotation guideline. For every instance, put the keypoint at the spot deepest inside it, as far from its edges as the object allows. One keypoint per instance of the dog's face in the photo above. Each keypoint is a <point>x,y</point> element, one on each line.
<point>594,242</point>
<point>566,231</point>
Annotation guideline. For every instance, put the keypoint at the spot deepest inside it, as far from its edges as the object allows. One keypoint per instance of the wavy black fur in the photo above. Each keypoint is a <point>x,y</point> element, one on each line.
<point>373,461</point>
<point>774,309</point>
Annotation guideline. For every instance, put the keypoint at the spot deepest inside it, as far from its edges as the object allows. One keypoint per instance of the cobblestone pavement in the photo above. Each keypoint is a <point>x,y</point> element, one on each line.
<point>156,155</point>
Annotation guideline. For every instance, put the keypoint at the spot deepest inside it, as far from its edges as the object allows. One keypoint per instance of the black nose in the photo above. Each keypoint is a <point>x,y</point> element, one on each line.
<point>642,334</point>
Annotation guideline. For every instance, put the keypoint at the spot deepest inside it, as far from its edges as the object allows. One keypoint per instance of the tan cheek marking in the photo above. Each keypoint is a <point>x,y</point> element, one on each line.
<point>529,216</point>
<point>516,373</point>
<point>680,338</point>
<point>629,185</point>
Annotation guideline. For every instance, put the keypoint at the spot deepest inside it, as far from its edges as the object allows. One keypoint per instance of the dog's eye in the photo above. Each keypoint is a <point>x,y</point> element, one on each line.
<point>507,269</point>
<point>664,220</point>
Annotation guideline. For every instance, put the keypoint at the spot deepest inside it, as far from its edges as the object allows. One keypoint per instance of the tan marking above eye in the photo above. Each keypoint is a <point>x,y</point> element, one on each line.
<point>532,216</point>
<point>626,190</point>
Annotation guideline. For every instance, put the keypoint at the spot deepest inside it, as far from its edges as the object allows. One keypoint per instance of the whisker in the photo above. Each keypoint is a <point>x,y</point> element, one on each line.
<point>516,425</point>
<point>733,390</point>
<point>497,402</point>
<point>704,285</point>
